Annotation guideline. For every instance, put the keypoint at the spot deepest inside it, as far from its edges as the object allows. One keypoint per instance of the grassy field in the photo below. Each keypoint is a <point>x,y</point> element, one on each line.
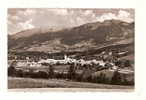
<point>21,83</point>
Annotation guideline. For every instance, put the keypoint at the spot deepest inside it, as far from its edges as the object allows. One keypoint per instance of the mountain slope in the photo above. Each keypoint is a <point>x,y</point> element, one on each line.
<point>80,38</point>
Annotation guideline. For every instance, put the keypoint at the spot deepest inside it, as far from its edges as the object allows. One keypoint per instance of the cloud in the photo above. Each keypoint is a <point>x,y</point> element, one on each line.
<point>80,20</point>
<point>62,12</point>
<point>27,12</point>
<point>15,17</point>
<point>19,26</point>
<point>107,16</point>
<point>122,15</point>
<point>88,12</point>
<point>21,19</point>
<point>26,25</point>
<point>125,16</point>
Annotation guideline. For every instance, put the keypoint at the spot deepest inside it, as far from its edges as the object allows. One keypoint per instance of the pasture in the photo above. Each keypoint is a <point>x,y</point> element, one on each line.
<point>24,83</point>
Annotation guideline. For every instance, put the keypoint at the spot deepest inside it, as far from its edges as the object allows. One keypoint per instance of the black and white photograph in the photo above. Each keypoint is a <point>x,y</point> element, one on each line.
<point>71,49</point>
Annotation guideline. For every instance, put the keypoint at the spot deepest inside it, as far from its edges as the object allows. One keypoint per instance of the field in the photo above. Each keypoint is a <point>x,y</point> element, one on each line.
<point>25,83</point>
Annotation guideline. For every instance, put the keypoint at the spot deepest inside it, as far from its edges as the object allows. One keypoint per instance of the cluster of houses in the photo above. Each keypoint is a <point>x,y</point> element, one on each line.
<point>106,62</point>
<point>93,67</point>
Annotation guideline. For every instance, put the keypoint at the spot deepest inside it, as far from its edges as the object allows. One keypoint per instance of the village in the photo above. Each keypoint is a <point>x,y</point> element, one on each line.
<point>108,69</point>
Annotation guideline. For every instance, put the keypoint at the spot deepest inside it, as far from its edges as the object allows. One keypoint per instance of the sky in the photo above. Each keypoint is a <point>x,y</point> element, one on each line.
<point>20,19</point>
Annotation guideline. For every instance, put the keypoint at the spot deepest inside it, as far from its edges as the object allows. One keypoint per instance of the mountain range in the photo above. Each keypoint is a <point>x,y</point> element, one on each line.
<point>80,38</point>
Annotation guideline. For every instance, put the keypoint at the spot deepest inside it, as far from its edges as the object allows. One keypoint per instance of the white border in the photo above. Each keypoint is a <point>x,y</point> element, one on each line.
<point>140,56</point>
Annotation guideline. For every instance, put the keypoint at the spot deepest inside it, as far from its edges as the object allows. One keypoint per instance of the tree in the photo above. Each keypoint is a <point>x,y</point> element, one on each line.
<point>42,74</point>
<point>71,72</point>
<point>51,71</point>
<point>116,79</point>
<point>101,78</point>
<point>11,69</point>
<point>127,63</point>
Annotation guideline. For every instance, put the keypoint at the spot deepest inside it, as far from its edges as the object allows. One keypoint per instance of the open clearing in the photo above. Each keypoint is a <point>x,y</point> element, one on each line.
<point>30,84</point>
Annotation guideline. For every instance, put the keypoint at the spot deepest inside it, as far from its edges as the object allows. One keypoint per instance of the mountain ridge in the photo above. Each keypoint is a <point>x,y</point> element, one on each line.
<point>83,37</point>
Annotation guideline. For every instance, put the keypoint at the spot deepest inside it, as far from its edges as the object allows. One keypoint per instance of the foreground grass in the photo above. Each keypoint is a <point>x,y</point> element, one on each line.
<point>15,83</point>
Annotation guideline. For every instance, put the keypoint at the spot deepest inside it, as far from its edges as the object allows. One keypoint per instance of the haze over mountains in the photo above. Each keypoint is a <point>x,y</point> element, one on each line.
<point>80,38</point>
